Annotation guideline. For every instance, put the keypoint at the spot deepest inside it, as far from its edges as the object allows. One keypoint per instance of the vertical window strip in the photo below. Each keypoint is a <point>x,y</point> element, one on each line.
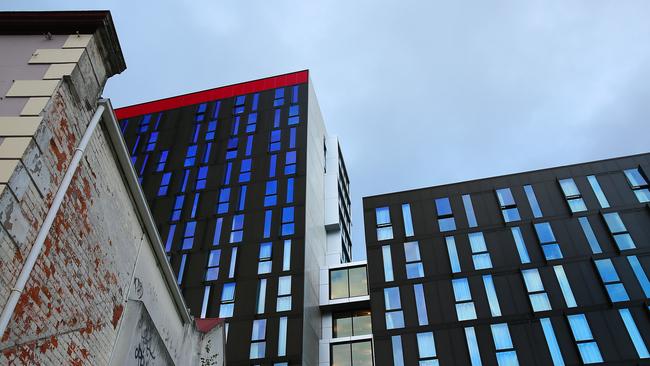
<point>420,304</point>
<point>619,231</point>
<point>535,287</point>
<point>284,294</point>
<point>634,334</point>
<point>520,244</point>
<point>639,184</point>
<point>233,262</point>
<point>388,263</point>
<point>204,304</point>
<point>408,222</point>
<point>398,354</point>
<point>587,346</point>
<point>491,292</point>
<point>286,256</point>
<point>589,234</point>
<point>258,339</point>
<point>217,231</point>
<point>532,200</point>
<point>572,195</point>
<point>463,296</point>
<point>282,337</point>
<point>565,286</point>
<point>469,210</point>
<point>472,347</point>
<point>600,195</point>
<point>453,254</point>
<point>640,274</point>
<point>181,270</point>
<point>613,284</point>
<point>261,296</point>
<point>506,354</point>
<point>551,342</point>
<point>227,306</point>
<point>427,349</point>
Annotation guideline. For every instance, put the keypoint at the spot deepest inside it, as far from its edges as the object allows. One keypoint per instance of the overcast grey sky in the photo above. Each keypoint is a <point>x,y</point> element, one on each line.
<point>420,92</point>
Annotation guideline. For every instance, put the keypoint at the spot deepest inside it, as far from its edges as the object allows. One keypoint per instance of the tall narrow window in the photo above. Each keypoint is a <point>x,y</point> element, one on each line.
<point>271,193</point>
<point>290,163</point>
<point>186,176</point>
<point>273,159</point>
<point>242,198</point>
<point>469,210</point>
<point>384,227</point>
<point>162,160</point>
<point>509,209</point>
<point>268,217</point>
<point>226,174</point>
<point>472,347</point>
<point>170,238</point>
<point>275,143</point>
<point>506,354</point>
<point>464,305</point>
<point>292,138</point>
<point>265,263</point>
<point>287,221</point>
<point>388,263</point>
<point>546,238</point>
<point>178,208</point>
<point>491,292</point>
<point>289,190</point>
<point>398,354</point>
<point>480,254</point>
<point>639,184</point>
<point>536,293</point>
<point>164,184</point>
<point>520,244</point>
<point>408,222</point>
<point>181,270</point>
<point>445,216</point>
<point>201,178</point>
<point>640,274</point>
<point>600,195</point>
<point>217,231</point>
<point>233,262</point>
<point>612,282</point>
<point>261,296</point>
<point>188,235</point>
<point>453,254</point>
<point>245,171</point>
<point>532,200</point>
<point>393,307</point>
<point>634,334</point>
<point>282,337</point>
<point>190,156</point>
<point>249,145</point>
<point>200,111</point>
<point>589,234</point>
<point>551,342</point>
<point>565,286</point>
<point>589,351</point>
<point>286,255</point>
<point>224,199</point>
<point>619,232</point>
<point>572,195</point>
<point>206,153</point>
<point>420,304</point>
<point>427,349</point>
<point>237,229</point>
<point>414,267</point>
<point>206,299</point>
<point>258,339</point>
<point>195,204</point>
<point>227,300</point>
<point>284,294</point>
<point>212,270</point>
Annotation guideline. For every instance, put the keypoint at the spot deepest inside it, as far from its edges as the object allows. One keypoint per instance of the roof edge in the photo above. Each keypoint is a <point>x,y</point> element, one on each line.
<point>277,81</point>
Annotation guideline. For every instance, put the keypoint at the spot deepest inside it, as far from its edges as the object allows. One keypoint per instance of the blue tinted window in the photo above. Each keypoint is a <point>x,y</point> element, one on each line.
<point>392,298</point>
<point>274,142</point>
<point>388,263</point>
<point>164,184</point>
<point>420,304</point>
<point>249,145</point>
<point>190,156</point>
<point>398,355</point>
<point>226,176</point>
<point>640,274</point>
<point>186,176</point>
<point>589,351</point>
<point>195,205</point>
<point>292,138</point>
<point>426,345</point>
<point>268,215</point>
<point>491,293</point>
<point>201,177</point>
<point>469,210</point>
<point>287,221</point>
<point>289,190</point>
<point>181,270</point>
<point>163,159</point>
<point>453,254</point>
<point>272,163</point>
<point>170,238</point>
<point>544,232</point>
<point>505,197</point>
<point>634,334</point>
<point>589,234</point>
<point>224,198</point>
<point>408,222</point>
<point>188,235</point>
<point>210,133</point>
<point>294,94</point>
<point>151,145</point>
<point>217,231</point>
<point>565,286</point>
<point>520,244</point>
<point>270,195</point>
<point>245,171</point>
<point>231,148</point>
<point>178,207</point>
<point>600,195</point>
<point>532,200</point>
<point>551,342</point>
<point>443,207</point>
<point>242,197</point>
<point>276,119</point>
<point>256,98</point>
<point>472,346</point>
<point>237,232</point>
<point>206,153</point>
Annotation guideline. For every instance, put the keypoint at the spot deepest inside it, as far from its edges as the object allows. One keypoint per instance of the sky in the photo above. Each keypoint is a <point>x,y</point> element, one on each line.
<point>420,93</point>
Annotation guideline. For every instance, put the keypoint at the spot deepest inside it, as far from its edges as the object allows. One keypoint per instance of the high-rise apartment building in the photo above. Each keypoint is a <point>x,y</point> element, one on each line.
<point>547,267</point>
<point>251,197</point>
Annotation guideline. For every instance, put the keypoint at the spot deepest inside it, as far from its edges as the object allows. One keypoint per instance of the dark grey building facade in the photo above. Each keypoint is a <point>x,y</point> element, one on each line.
<point>547,267</point>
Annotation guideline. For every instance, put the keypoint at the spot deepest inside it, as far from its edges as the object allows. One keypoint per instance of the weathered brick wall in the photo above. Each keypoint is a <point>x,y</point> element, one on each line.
<point>71,306</point>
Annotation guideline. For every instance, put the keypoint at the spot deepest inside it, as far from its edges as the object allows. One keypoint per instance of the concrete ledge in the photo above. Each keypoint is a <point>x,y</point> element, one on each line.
<point>32,88</point>
<point>56,71</point>
<point>33,107</point>
<point>56,56</point>
<point>77,41</point>
<point>19,126</point>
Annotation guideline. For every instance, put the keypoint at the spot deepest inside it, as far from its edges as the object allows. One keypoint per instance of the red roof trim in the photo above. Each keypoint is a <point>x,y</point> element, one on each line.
<point>213,94</point>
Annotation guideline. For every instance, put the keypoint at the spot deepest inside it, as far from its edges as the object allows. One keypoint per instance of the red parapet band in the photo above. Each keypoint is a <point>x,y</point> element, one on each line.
<point>212,94</point>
